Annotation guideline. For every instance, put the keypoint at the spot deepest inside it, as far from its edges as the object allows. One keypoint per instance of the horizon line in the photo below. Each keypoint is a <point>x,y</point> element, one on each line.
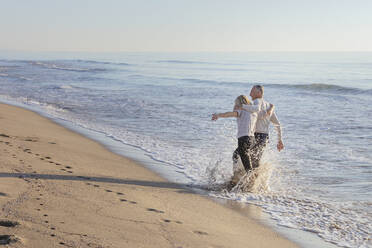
<point>126,51</point>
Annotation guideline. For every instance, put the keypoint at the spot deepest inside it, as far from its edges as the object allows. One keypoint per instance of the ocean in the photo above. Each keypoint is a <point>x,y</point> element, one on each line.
<point>161,104</point>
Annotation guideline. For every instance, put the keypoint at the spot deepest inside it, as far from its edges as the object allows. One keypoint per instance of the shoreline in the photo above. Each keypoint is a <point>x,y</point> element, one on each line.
<point>77,193</point>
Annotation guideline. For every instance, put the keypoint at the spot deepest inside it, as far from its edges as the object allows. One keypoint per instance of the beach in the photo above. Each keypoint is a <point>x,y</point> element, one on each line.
<point>111,140</point>
<point>59,189</point>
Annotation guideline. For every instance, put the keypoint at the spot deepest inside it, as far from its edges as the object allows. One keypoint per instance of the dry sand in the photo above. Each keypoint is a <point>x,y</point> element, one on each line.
<point>61,189</point>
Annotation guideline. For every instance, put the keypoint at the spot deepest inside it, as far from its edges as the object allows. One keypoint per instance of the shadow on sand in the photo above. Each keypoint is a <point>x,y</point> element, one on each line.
<point>183,188</point>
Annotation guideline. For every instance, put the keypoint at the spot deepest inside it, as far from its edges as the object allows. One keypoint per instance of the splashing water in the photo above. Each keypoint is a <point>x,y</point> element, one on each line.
<point>161,104</point>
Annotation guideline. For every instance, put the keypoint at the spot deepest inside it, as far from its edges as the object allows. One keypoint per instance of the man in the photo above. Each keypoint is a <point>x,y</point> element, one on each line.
<point>262,126</point>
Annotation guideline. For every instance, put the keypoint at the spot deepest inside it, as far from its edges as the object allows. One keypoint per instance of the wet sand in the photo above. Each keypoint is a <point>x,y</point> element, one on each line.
<point>60,189</point>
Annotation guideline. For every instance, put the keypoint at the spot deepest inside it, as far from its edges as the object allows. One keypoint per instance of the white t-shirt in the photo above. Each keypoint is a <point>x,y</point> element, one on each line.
<point>246,123</point>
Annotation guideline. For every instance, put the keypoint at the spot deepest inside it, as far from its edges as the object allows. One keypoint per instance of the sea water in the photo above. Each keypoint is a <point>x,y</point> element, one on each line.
<point>162,104</point>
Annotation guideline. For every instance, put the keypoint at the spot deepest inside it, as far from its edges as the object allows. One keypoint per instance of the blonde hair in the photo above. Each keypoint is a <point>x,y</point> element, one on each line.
<point>242,99</point>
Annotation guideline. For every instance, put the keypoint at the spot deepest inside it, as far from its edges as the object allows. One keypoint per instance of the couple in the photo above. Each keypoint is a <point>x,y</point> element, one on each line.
<point>253,127</point>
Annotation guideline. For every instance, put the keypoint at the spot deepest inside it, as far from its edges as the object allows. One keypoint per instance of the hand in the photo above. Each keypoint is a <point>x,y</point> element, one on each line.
<point>214,117</point>
<point>280,145</point>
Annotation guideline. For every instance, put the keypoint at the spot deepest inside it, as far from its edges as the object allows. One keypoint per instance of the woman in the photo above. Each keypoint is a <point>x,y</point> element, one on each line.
<point>246,122</point>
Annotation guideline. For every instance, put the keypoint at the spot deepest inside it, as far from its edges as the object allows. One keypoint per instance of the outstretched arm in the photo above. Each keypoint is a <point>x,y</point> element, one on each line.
<point>224,115</point>
<point>276,123</point>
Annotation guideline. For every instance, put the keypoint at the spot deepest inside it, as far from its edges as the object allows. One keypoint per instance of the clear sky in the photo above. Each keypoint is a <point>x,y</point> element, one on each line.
<point>186,25</point>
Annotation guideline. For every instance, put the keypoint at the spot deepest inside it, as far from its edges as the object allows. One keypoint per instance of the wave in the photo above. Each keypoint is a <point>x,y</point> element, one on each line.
<point>336,223</point>
<point>316,87</point>
<point>50,62</point>
<point>101,62</point>
<point>65,87</point>
<point>182,62</point>
<point>324,88</point>
<point>48,106</point>
<point>22,78</point>
<point>194,62</point>
<point>54,66</point>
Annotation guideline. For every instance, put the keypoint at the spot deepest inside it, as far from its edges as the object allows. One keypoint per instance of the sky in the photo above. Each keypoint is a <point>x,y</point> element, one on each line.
<point>186,25</point>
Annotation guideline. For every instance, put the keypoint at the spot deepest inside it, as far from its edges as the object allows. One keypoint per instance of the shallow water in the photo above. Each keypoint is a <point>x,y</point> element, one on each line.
<point>162,103</point>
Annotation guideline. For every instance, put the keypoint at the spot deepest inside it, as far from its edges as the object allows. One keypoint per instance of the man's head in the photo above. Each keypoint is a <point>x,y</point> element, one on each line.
<point>257,91</point>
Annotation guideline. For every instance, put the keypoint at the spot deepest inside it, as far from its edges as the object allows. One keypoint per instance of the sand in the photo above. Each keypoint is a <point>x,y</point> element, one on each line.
<point>60,189</point>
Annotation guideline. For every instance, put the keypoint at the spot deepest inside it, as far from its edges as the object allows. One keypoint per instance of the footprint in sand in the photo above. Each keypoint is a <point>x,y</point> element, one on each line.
<point>155,210</point>
<point>68,167</point>
<point>107,190</point>
<point>31,139</point>
<point>125,200</point>
<point>200,232</point>
<point>119,193</point>
<point>168,221</point>
<point>3,194</point>
<point>7,239</point>
<point>8,223</point>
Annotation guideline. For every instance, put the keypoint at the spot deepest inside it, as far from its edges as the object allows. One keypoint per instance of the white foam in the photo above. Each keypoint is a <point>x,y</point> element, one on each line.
<point>346,224</point>
<point>164,113</point>
<point>66,87</point>
<point>48,108</point>
<point>51,65</point>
